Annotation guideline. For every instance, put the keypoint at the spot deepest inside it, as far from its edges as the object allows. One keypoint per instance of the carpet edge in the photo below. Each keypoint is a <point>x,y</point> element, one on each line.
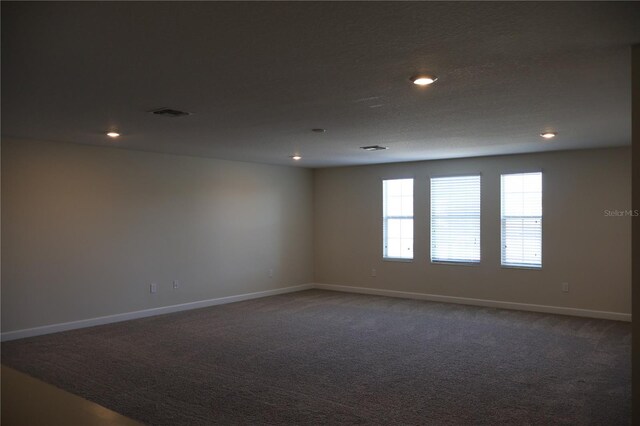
<point>108,319</point>
<point>549,309</point>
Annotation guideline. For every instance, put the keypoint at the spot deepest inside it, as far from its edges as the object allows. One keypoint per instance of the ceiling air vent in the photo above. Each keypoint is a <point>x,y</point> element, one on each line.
<point>374,148</point>
<point>168,112</point>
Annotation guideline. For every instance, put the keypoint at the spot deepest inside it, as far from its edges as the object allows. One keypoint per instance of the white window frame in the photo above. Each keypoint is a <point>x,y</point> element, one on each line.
<point>385,219</point>
<point>451,261</point>
<point>530,266</point>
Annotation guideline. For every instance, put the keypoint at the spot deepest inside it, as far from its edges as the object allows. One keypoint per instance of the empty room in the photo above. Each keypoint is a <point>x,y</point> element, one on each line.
<point>413,213</point>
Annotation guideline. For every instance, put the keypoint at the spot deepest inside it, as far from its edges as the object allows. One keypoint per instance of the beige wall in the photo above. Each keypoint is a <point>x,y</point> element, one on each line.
<point>86,229</point>
<point>581,245</point>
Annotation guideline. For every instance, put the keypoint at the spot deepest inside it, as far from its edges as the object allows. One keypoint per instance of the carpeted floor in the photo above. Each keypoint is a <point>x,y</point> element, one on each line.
<point>334,358</point>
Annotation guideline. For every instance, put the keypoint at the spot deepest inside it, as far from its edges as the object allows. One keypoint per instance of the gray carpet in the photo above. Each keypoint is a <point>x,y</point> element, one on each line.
<point>324,357</point>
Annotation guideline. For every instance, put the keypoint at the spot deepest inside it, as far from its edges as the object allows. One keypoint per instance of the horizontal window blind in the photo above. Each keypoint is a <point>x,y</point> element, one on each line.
<point>397,215</point>
<point>521,219</point>
<point>455,219</point>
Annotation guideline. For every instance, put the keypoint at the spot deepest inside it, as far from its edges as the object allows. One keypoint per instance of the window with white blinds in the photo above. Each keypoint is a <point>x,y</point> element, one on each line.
<point>455,219</point>
<point>397,215</point>
<point>521,219</point>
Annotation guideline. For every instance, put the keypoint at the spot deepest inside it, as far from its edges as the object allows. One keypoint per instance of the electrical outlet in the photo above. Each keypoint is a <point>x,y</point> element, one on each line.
<point>565,287</point>
<point>176,284</point>
<point>153,288</point>
<point>270,273</point>
<point>374,273</point>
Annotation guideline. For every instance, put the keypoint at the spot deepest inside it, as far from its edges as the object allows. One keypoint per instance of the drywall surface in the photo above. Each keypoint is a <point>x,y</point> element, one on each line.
<point>586,231</point>
<point>86,230</point>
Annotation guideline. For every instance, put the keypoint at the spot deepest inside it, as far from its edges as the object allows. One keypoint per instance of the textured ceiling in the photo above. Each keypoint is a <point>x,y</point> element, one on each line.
<point>259,76</point>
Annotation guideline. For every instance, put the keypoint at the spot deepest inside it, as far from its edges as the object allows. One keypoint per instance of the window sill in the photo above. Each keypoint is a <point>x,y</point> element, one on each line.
<point>529,268</point>
<point>396,259</point>
<point>440,262</point>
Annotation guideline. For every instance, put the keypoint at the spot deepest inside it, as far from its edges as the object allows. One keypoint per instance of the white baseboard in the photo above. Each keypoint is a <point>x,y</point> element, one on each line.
<point>54,328</point>
<point>480,302</point>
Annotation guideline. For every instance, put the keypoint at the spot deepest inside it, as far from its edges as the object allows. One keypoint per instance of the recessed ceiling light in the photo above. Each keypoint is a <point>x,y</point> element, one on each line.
<point>319,130</point>
<point>548,135</point>
<point>295,157</point>
<point>423,80</point>
<point>113,134</point>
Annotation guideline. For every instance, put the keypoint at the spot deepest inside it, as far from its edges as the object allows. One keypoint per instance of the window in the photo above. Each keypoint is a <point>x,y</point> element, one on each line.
<point>397,214</point>
<point>521,219</point>
<point>455,219</point>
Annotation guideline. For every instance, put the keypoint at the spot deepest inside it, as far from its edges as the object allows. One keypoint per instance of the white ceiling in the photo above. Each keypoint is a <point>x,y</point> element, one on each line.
<point>259,76</point>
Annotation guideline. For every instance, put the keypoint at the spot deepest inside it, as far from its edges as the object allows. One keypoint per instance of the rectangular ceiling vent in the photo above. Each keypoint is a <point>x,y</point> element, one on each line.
<point>374,148</point>
<point>168,112</point>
